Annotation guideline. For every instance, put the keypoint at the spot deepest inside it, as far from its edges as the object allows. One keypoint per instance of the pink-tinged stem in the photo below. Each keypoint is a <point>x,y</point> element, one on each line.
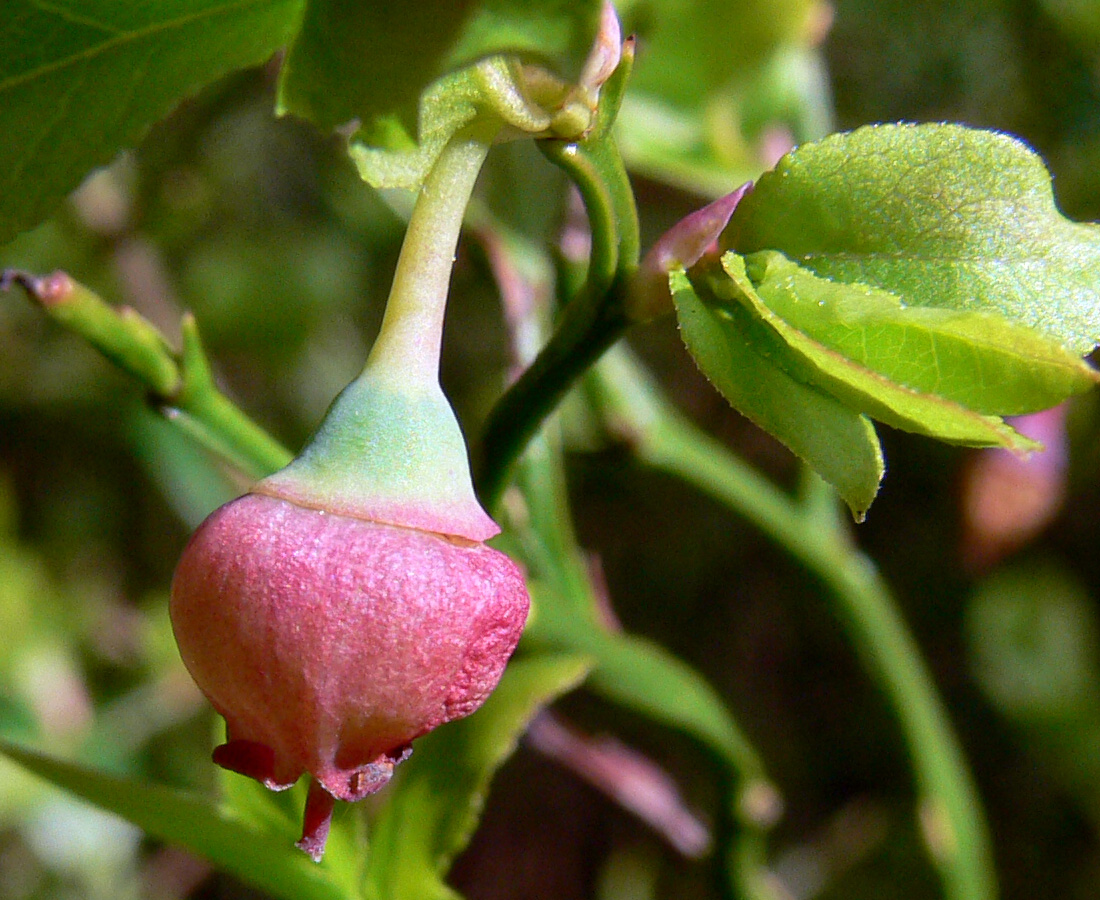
<point>684,244</point>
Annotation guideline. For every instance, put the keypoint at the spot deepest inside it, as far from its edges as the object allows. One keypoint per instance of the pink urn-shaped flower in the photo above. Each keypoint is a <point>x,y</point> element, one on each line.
<point>331,630</point>
<point>329,642</point>
<point>348,603</point>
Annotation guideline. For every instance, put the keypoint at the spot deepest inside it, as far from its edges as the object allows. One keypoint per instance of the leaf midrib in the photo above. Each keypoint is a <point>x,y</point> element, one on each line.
<point>124,38</point>
<point>69,16</point>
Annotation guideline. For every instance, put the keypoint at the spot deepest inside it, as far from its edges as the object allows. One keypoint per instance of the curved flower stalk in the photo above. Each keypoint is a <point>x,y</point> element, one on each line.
<point>348,604</point>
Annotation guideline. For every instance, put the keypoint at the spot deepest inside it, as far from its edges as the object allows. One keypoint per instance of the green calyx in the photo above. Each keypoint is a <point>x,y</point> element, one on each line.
<point>389,455</point>
<point>390,448</point>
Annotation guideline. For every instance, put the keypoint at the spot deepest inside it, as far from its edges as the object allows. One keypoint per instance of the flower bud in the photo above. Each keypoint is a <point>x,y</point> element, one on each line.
<point>348,604</point>
<point>684,244</point>
<point>329,642</point>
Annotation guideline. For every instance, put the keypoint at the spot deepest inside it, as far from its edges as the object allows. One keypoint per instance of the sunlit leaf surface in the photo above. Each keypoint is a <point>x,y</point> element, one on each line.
<point>938,215</point>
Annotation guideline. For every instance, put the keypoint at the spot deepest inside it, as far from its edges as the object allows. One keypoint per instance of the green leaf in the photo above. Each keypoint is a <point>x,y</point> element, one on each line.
<point>434,804</point>
<point>82,79</point>
<point>267,862</point>
<point>850,381</point>
<point>278,813</point>
<point>369,60</point>
<point>744,362</point>
<point>982,361</point>
<point>278,816</point>
<point>938,215</point>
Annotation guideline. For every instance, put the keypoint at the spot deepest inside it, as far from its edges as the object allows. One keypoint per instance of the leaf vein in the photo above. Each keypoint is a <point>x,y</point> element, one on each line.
<point>75,18</point>
<point>51,125</point>
<point>124,38</point>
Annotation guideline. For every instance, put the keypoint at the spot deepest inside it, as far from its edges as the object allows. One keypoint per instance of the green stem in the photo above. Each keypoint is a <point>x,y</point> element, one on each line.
<point>629,670</point>
<point>950,811</point>
<point>596,317</point>
<point>408,344</point>
<point>592,321</point>
<point>181,386</point>
<point>951,814</point>
<point>121,335</point>
<point>642,676</point>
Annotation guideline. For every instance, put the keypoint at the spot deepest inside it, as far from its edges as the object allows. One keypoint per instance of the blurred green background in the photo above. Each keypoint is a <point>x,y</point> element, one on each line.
<point>261,227</point>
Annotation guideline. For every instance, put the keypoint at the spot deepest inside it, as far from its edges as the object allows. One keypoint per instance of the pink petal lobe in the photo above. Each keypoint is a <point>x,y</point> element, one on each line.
<point>253,760</point>
<point>318,818</point>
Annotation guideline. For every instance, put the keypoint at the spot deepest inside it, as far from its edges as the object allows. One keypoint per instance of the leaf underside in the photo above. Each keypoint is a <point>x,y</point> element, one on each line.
<point>935,372</point>
<point>980,360</point>
<point>735,351</point>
